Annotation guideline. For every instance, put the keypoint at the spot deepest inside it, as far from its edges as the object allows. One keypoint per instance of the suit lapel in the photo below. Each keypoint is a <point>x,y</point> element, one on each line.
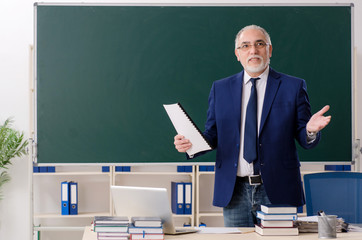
<point>236,88</point>
<point>270,93</point>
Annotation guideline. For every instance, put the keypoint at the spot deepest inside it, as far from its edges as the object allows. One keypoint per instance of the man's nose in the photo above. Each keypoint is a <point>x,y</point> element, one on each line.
<point>253,48</point>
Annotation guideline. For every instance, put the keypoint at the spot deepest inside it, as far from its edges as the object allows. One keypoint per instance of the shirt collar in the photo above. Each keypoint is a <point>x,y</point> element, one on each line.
<point>263,76</point>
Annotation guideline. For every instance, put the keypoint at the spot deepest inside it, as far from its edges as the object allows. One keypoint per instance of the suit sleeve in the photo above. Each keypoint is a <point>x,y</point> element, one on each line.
<point>303,116</point>
<point>210,126</point>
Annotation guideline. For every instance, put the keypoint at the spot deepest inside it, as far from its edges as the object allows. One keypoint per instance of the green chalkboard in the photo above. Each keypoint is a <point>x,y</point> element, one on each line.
<point>103,73</point>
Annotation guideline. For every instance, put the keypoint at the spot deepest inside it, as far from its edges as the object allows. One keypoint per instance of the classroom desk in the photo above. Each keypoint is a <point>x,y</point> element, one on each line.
<point>247,235</point>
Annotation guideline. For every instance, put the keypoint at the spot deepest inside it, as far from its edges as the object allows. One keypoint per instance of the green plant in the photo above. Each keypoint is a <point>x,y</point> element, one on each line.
<point>4,178</point>
<point>12,144</point>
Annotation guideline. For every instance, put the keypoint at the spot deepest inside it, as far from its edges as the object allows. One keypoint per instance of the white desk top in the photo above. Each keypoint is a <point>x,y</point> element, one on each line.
<point>247,234</point>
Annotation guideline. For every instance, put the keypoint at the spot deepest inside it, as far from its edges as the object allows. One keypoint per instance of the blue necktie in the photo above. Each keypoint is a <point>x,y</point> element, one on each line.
<point>251,125</point>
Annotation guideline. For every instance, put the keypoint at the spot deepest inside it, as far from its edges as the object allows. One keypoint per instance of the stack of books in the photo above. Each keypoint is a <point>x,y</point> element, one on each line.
<point>277,220</point>
<point>111,227</point>
<point>146,228</point>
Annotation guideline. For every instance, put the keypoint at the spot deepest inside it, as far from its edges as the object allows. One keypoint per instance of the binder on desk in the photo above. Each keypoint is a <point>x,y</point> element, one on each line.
<point>73,198</point>
<point>186,127</point>
<point>177,197</point>
<point>65,198</point>
<point>188,197</point>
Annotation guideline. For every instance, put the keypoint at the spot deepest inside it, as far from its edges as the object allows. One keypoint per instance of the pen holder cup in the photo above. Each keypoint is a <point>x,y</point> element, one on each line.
<point>327,226</point>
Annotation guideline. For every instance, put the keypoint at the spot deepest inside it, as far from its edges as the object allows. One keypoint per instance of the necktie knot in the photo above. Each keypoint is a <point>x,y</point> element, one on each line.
<point>253,80</point>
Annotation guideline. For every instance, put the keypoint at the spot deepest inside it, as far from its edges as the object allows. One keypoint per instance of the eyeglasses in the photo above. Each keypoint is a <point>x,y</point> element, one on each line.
<point>257,45</point>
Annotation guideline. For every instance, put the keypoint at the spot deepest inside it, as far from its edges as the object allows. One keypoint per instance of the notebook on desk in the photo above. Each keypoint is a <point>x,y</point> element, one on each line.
<point>145,202</point>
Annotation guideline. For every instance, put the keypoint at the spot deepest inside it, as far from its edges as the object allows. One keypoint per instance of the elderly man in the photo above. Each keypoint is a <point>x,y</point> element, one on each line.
<point>253,120</point>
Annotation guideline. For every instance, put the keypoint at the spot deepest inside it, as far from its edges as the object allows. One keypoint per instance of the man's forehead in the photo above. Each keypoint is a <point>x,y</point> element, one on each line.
<point>252,35</point>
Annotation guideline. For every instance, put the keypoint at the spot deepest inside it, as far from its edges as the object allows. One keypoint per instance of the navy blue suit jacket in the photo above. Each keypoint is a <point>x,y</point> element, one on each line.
<point>286,111</point>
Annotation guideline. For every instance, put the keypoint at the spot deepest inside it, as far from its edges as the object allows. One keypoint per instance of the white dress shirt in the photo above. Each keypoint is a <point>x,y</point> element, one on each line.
<point>245,168</point>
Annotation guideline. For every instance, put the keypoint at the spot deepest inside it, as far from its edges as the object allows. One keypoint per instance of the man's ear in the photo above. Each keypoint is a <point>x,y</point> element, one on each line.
<point>270,51</point>
<point>237,55</point>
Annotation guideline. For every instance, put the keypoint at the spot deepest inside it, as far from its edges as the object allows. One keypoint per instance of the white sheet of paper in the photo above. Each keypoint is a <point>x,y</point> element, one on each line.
<point>308,219</point>
<point>217,230</point>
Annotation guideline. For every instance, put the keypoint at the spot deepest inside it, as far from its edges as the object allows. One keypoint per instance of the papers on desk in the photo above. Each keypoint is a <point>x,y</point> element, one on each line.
<point>310,224</point>
<point>217,230</point>
<point>354,228</point>
<point>308,219</point>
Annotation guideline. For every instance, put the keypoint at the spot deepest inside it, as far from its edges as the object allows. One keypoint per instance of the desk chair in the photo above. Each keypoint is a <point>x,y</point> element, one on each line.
<point>336,193</point>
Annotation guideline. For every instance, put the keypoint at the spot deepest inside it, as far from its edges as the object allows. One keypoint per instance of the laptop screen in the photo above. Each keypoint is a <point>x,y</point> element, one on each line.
<point>143,202</point>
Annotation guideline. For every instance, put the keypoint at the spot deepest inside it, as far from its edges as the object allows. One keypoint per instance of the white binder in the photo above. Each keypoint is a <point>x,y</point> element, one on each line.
<point>186,127</point>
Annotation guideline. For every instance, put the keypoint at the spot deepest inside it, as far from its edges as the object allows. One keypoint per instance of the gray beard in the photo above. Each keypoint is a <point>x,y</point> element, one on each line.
<point>259,68</point>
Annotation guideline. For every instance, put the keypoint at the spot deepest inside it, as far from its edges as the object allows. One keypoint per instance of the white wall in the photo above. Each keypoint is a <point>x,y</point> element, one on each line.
<point>16,28</point>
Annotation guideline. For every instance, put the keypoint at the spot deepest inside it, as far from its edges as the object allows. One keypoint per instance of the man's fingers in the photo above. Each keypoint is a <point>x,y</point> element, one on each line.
<point>183,147</point>
<point>323,110</point>
<point>181,144</point>
<point>178,137</point>
<point>327,120</point>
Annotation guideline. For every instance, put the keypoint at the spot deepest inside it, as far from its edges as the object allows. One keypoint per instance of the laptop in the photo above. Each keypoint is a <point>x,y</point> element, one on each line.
<point>146,202</point>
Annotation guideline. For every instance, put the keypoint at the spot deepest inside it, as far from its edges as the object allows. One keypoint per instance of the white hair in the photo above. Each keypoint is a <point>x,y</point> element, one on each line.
<point>266,34</point>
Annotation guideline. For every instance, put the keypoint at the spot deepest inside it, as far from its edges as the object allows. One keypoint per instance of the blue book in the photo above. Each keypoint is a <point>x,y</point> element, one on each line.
<point>180,168</point>
<point>146,230</point>
<point>269,216</point>
<point>203,168</point>
<point>211,168</point>
<point>333,167</point>
<point>73,209</point>
<point>187,168</point>
<point>51,169</point>
<point>119,169</point>
<point>346,167</point>
<point>65,198</point>
<point>188,198</point>
<point>105,169</point>
<point>43,169</point>
<point>177,198</point>
<point>126,168</point>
